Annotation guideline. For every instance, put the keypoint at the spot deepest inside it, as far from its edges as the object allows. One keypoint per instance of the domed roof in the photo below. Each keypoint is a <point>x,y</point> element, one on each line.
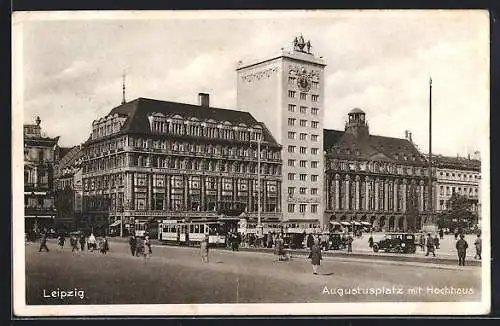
<point>356,110</point>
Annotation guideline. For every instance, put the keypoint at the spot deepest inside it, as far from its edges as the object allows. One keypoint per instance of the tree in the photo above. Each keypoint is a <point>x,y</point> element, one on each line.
<point>459,211</point>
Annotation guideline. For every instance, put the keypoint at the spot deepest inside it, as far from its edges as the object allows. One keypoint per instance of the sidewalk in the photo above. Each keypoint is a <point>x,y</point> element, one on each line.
<point>361,250</point>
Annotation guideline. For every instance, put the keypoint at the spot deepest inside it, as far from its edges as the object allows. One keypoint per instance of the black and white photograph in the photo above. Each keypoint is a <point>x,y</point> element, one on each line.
<point>196,163</point>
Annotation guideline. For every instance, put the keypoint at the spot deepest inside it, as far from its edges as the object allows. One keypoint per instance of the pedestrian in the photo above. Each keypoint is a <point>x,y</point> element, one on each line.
<point>73,242</point>
<point>310,240</point>
<point>461,246</point>
<point>43,243</point>
<point>82,242</point>
<point>147,247</point>
<point>430,245</point>
<point>456,234</point>
<point>370,241</point>
<point>349,243</point>
<point>422,242</point>
<point>104,246</point>
<point>441,234</point>
<point>204,249</point>
<point>133,244</point>
<point>61,240</point>
<point>234,242</point>
<point>436,241</point>
<point>315,256</point>
<point>92,242</point>
<point>478,246</point>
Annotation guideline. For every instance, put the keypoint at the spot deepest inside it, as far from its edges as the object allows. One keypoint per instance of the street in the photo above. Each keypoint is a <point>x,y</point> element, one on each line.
<point>176,275</point>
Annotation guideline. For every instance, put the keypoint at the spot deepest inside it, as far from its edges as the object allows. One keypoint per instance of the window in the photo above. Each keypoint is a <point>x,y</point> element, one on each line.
<point>291,208</point>
<point>291,94</point>
<point>303,177</point>
<point>303,109</point>
<point>303,96</point>
<point>303,123</point>
<point>314,164</point>
<point>314,137</point>
<point>314,124</point>
<point>302,190</point>
<point>303,136</point>
<point>314,111</point>
<point>291,149</point>
<point>314,191</point>
<point>302,208</point>
<point>291,135</point>
<point>291,121</point>
<point>303,163</point>
<point>314,208</point>
<point>291,107</point>
<point>314,151</point>
<point>315,84</point>
<point>315,98</point>
<point>303,150</point>
<point>291,191</point>
<point>291,162</point>
<point>291,176</point>
<point>314,177</point>
<point>441,190</point>
<point>291,80</point>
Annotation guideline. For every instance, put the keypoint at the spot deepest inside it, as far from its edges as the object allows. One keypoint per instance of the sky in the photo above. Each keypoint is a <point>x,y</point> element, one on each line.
<point>379,61</point>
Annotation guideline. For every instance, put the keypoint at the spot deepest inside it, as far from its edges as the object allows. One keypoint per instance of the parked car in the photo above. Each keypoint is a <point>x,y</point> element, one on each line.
<point>337,241</point>
<point>399,242</point>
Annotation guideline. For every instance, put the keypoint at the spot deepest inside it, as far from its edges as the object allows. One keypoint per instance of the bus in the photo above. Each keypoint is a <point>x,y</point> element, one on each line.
<point>181,232</point>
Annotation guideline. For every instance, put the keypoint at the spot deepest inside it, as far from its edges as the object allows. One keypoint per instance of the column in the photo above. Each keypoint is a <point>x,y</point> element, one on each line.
<point>386,195</point>
<point>202,193</point>
<point>367,194</point>
<point>150,191</point>
<point>264,192</point>
<point>395,195</point>
<point>404,195</point>
<point>219,190</point>
<point>337,191</point>
<point>357,199</point>
<point>346,192</point>
<point>278,205</point>
<point>376,195</point>
<point>250,194</point>
<point>167,191</point>
<point>186,191</point>
<point>131,199</point>
<point>165,196</point>
<point>421,199</point>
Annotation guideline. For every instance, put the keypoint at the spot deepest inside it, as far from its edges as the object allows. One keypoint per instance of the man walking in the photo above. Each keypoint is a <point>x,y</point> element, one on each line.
<point>43,243</point>
<point>133,244</point>
<point>82,242</point>
<point>461,250</point>
<point>478,246</point>
<point>430,245</point>
<point>441,234</point>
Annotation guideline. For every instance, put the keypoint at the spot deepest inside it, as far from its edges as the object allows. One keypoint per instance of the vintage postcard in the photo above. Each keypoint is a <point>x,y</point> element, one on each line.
<point>251,163</point>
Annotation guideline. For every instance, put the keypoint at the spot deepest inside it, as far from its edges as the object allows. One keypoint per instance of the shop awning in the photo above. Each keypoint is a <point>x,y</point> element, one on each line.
<point>357,223</point>
<point>345,223</point>
<point>116,223</point>
<point>334,223</point>
<point>366,223</point>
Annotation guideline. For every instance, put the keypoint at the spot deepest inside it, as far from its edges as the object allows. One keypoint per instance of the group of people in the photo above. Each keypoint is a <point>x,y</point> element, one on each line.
<point>78,243</point>
<point>140,246</point>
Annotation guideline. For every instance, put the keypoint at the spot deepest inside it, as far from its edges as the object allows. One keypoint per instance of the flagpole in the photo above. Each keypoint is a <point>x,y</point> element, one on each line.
<point>431,215</point>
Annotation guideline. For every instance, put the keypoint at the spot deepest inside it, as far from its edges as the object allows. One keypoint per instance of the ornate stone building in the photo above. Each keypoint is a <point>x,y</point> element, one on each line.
<point>69,190</point>
<point>461,175</point>
<point>151,160</point>
<point>40,156</point>
<point>374,179</point>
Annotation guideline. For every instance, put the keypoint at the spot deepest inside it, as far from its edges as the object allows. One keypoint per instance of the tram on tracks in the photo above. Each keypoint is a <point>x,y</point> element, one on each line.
<point>187,233</point>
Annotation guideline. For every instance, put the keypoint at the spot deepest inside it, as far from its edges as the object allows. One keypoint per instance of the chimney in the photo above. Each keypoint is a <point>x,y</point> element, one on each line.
<point>204,99</point>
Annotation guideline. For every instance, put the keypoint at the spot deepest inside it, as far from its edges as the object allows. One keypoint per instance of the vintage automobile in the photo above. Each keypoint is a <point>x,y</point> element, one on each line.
<point>398,242</point>
<point>337,241</point>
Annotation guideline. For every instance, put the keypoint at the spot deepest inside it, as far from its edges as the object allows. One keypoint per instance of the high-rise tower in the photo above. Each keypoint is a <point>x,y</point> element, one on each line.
<point>286,92</point>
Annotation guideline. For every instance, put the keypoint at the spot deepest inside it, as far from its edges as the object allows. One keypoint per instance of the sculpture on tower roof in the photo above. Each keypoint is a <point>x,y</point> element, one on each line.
<point>299,45</point>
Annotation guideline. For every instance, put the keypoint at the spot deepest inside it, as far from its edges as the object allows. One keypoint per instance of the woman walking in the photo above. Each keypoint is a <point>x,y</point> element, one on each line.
<point>315,256</point>
<point>204,249</point>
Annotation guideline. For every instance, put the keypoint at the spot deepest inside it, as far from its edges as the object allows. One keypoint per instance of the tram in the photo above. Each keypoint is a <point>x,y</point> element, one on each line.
<point>188,233</point>
<point>143,227</point>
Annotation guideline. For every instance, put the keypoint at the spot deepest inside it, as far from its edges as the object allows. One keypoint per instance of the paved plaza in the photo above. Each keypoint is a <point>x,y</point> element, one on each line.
<point>177,275</point>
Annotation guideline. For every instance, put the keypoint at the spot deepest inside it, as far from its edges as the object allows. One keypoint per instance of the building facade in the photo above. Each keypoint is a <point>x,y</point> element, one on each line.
<point>460,175</point>
<point>378,180</point>
<point>286,91</point>
<point>40,157</point>
<point>151,160</point>
<point>69,190</point>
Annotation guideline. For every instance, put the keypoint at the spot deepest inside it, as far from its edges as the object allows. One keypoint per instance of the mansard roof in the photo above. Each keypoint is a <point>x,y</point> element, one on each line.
<point>139,109</point>
<point>459,163</point>
<point>376,148</point>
